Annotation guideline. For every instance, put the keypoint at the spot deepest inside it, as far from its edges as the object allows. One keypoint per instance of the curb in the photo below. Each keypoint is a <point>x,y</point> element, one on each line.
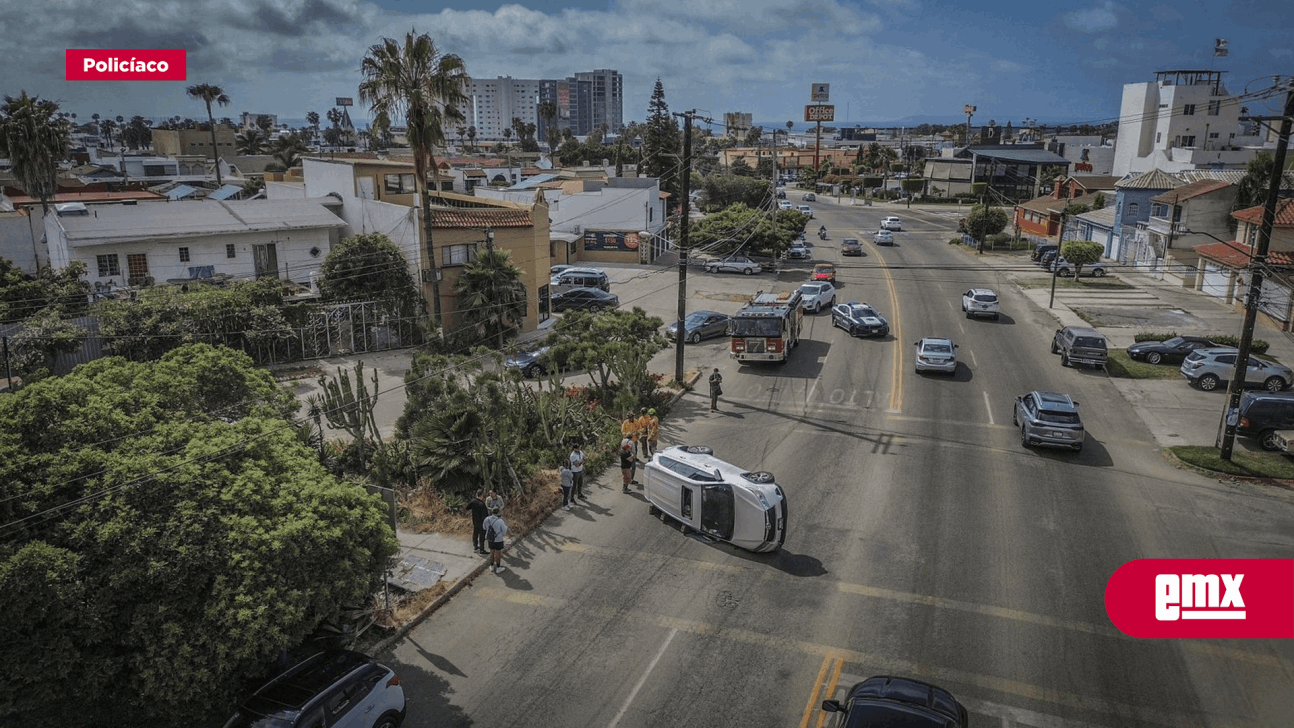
<point>403,630</point>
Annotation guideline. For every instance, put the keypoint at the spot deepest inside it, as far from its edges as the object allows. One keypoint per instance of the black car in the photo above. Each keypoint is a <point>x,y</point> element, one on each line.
<point>1173,350</point>
<point>530,363</point>
<point>859,319</point>
<point>899,702</point>
<point>1262,414</point>
<point>700,325</point>
<point>1042,250</point>
<point>587,299</point>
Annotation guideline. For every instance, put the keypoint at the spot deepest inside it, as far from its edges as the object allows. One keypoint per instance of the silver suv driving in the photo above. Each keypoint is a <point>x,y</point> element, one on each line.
<point>1048,418</point>
<point>1207,368</point>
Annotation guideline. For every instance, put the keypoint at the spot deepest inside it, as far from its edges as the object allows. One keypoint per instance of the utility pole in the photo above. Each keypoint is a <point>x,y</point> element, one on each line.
<point>684,243</point>
<point>1060,238</point>
<point>1256,265</point>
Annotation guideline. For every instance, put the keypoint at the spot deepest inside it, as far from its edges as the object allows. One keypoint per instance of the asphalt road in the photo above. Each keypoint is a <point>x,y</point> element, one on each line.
<point>923,540</point>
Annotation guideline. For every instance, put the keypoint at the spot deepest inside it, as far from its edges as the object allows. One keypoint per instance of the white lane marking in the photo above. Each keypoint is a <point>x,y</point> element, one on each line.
<point>989,406</point>
<point>973,359</point>
<point>642,680</point>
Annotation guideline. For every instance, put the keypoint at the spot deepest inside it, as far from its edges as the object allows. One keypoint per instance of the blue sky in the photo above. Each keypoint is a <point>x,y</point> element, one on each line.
<point>886,60</point>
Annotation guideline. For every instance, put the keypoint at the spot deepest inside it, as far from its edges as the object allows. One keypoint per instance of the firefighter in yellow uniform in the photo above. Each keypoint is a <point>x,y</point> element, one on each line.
<point>629,431</point>
<point>650,425</point>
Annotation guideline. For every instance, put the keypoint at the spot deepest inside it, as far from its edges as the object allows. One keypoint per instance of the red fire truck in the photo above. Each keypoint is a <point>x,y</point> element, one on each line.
<point>767,328</point>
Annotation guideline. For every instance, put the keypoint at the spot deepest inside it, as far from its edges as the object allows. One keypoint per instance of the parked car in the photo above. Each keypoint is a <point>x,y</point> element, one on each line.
<point>824,272</point>
<point>859,319</point>
<point>785,204</point>
<point>936,355</point>
<point>531,364</point>
<point>700,325</point>
<point>718,499</point>
<point>1262,414</point>
<point>781,193</point>
<point>1042,249</point>
<point>806,210</point>
<point>558,269</point>
<point>573,278</point>
<point>883,237</point>
<point>1065,269</point>
<point>734,264</point>
<point>809,197</point>
<point>897,702</point>
<point>1047,257</point>
<point>798,251</point>
<point>346,688</point>
<point>980,302</point>
<point>1207,368</point>
<point>816,296</point>
<point>1048,418</point>
<point>892,223</point>
<point>1080,345</point>
<point>1172,351</point>
<point>851,246</point>
<point>586,299</point>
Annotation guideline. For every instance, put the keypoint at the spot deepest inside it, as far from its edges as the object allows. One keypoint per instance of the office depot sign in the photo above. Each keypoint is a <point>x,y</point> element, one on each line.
<point>1203,598</point>
<point>126,65</point>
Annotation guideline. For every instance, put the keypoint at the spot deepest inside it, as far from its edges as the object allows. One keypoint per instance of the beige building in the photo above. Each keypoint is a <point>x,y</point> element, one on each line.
<point>196,141</point>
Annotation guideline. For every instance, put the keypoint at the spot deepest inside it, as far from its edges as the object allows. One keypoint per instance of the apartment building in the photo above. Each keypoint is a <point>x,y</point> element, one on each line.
<point>195,141</point>
<point>495,102</point>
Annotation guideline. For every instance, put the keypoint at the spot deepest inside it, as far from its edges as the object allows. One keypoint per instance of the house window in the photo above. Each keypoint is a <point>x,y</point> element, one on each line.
<point>137,266</point>
<point>398,184</point>
<point>1213,135</point>
<point>109,265</point>
<point>1132,209</point>
<point>1188,110</point>
<point>1214,107</point>
<point>229,250</point>
<point>458,254</point>
<point>1159,137</point>
<point>184,255</point>
<point>1188,141</point>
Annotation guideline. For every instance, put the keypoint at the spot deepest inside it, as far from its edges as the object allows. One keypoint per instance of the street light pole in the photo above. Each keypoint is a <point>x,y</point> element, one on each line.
<point>1257,262</point>
<point>684,244</point>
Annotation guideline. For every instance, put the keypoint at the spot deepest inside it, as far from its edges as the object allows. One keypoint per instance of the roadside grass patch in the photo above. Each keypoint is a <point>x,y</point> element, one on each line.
<point>1119,364</point>
<point>1243,463</point>
<point>1098,284</point>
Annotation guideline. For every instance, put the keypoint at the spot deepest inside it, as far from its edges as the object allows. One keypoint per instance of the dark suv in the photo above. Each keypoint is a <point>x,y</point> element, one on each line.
<point>1262,414</point>
<point>1079,345</point>
<point>897,701</point>
<point>336,688</point>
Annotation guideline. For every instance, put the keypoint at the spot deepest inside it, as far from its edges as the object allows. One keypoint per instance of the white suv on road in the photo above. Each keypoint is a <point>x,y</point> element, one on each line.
<point>816,296</point>
<point>980,302</point>
<point>892,223</point>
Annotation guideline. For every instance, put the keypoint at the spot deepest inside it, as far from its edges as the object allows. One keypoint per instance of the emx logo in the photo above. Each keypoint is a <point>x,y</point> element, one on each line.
<point>1203,598</point>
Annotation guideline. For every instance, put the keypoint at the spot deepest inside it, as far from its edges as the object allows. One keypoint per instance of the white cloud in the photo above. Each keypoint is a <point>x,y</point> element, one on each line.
<point>1101,16</point>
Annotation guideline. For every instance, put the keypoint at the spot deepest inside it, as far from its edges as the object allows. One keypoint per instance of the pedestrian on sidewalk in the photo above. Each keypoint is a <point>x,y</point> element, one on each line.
<point>568,480</point>
<point>493,502</point>
<point>629,431</point>
<point>496,529</point>
<point>627,462</point>
<point>716,380</point>
<point>653,432</point>
<point>477,510</point>
<point>577,472</point>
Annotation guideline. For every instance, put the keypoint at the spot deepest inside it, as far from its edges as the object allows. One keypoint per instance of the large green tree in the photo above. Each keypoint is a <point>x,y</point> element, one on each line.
<point>34,139</point>
<point>490,294</point>
<point>985,221</point>
<point>369,267</point>
<point>210,94</point>
<point>415,81</point>
<point>662,143</point>
<point>23,295</point>
<point>166,535</point>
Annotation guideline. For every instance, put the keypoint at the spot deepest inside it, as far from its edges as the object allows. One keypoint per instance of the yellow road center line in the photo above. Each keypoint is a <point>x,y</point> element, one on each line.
<point>896,373</point>
<point>813,696</point>
<point>831,688</point>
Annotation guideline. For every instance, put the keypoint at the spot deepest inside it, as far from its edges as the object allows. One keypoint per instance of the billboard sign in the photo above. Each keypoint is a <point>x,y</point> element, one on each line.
<point>344,101</point>
<point>820,93</point>
<point>820,113</point>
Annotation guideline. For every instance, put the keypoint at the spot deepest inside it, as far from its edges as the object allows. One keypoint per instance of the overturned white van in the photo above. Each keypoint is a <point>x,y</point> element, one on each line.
<point>716,498</point>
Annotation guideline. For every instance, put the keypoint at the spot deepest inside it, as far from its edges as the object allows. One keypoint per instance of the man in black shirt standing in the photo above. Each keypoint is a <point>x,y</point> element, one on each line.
<point>478,511</point>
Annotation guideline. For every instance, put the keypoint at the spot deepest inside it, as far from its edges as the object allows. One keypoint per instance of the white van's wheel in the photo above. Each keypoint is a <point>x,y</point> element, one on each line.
<point>761,476</point>
<point>700,450</point>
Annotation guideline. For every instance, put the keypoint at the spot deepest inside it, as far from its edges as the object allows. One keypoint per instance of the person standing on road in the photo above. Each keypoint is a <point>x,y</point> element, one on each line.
<point>496,529</point>
<point>577,472</point>
<point>653,432</point>
<point>643,424</point>
<point>629,430</point>
<point>493,502</point>
<point>568,480</point>
<point>476,508</point>
<point>627,462</point>
<point>716,380</point>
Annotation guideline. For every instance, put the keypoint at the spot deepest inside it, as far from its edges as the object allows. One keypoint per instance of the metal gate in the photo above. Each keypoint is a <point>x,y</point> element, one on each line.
<point>1216,281</point>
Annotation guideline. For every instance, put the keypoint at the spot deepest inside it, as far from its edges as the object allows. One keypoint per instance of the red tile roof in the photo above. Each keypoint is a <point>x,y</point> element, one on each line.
<point>1194,189</point>
<point>480,218</point>
<point>1236,255</point>
<point>1254,215</point>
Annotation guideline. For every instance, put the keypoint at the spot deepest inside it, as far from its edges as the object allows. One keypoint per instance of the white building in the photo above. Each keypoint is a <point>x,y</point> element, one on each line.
<point>495,102</point>
<point>1182,120</point>
<point>183,241</point>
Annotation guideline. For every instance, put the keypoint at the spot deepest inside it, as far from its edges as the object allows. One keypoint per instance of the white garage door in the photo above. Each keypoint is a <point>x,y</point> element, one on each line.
<point>1215,281</point>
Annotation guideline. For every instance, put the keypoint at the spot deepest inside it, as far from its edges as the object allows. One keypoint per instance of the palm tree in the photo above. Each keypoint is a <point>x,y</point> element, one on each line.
<point>33,141</point>
<point>462,132</point>
<point>507,134</point>
<point>548,112</point>
<point>287,151</point>
<point>106,128</point>
<point>426,87</point>
<point>313,119</point>
<point>209,93</point>
<point>252,141</point>
<point>471,137</point>
<point>491,295</point>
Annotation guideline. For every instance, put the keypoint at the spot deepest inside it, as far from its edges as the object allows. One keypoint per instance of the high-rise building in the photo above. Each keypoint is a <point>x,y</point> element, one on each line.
<point>606,98</point>
<point>496,102</point>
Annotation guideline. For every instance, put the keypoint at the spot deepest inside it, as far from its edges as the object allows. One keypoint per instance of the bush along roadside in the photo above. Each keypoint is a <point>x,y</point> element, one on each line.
<point>1257,346</point>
